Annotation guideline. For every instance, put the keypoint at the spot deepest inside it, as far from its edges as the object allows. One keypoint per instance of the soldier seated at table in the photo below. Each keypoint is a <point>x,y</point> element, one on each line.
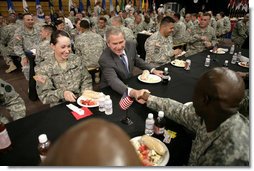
<point>94,142</point>
<point>241,31</point>
<point>63,76</point>
<point>12,101</point>
<point>222,133</point>
<point>159,46</point>
<point>201,37</point>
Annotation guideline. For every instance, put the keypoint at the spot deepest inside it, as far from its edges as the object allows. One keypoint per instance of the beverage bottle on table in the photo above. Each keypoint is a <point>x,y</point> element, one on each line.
<point>149,125</point>
<point>5,142</point>
<point>108,105</point>
<point>239,57</point>
<point>207,61</point>
<point>234,58</point>
<point>225,63</point>
<point>159,125</point>
<point>165,76</point>
<point>101,102</point>
<point>232,49</point>
<point>43,146</point>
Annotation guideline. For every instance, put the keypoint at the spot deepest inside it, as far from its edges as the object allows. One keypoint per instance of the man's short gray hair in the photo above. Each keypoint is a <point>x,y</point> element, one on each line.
<point>113,31</point>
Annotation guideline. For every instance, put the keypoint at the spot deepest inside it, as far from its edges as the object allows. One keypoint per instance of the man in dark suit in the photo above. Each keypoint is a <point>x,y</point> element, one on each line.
<point>118,60</point>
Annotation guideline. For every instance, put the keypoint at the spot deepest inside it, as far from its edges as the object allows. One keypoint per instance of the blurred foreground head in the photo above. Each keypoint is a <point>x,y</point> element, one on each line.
<point>95,142</point>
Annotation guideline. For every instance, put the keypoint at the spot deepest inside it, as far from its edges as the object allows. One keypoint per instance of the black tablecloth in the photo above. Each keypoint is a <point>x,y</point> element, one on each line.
<point>55,121</point>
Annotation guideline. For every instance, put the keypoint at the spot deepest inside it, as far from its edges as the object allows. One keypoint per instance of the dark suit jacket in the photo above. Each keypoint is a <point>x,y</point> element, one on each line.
<point>113,70</point>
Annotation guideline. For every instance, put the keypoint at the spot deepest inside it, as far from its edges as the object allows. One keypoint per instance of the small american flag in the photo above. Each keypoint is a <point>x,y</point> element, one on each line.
<point>126,101</point>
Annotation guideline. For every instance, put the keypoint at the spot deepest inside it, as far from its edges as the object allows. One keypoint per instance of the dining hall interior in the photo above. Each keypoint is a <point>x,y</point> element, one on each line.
<point>45,115</point>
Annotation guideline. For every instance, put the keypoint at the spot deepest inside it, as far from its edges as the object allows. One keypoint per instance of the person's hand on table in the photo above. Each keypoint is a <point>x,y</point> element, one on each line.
<point>69,96</point>
<point>139,93</point>
<point>207,44</point>
<point>24,61</point>
<point>158,72</point>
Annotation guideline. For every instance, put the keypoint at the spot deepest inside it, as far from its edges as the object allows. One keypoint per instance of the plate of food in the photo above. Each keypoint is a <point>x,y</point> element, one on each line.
<point>87,102</point>
<point>146,77</point>
<point>244,64</point>
<point>151,151</point>
<point>219,51</point>
<point>178,63</point>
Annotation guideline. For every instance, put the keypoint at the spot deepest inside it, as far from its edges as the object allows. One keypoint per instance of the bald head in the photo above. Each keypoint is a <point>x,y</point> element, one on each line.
<point>95,142</point>
<point>217,95</point>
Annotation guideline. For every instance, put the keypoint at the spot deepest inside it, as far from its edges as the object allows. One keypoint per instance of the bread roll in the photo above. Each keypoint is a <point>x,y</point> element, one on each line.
<point>153,144</point>
<point>91,94</point>
<point>145,75</point>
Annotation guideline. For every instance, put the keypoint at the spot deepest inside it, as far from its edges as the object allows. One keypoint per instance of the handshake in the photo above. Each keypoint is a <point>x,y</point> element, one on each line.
<point>141,96</point>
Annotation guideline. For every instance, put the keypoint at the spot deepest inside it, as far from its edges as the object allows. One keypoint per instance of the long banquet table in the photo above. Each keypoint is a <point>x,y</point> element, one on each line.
<point>55,121</point>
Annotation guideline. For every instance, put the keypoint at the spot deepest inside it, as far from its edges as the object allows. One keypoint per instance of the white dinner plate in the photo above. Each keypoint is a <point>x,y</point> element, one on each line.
<point>244,64</point>
<point>151,79</point>
<point>164,159</point>
<point>218,52</point>
<point>83,105</point>
<point>178,63</point>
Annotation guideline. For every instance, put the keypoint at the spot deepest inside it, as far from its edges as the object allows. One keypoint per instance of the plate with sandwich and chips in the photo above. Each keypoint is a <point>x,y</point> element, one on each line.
<point>178,63</point>
<point>151,151</point>
<point>146,77</point>
<point>89,98</point>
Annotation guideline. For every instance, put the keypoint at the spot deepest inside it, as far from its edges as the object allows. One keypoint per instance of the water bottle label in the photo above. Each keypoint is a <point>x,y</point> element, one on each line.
<point>158,130</point>
<point>42,157</point>
<point>4,139</point>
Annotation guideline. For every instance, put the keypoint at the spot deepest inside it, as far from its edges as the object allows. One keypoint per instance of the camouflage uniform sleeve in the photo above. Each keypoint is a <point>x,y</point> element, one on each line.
<point>180,113</point>
<point>86,81</point>
<point>47,92</point>
<point>11,99</point>
<point>18,44</point>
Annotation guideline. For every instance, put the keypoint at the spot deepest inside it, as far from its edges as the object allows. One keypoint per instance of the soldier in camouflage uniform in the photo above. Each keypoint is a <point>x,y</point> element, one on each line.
<point>220,26</point>
<point>179,32</point>
<point>222,133</point>
<point>201,37</point>
<point>188,21</point>
<point>194,19</point>
<point>89,46</point>
<point>241,31</point>
<point>44,50</point>
<point>138,25</point>
<point>62,77</point>
<point>10,99</point>
<point>213,22</point>
<point>26,38</point>
<point>159,46</point>
<point>117,22</point>
<point>7,43</point>
<point>101,27</point>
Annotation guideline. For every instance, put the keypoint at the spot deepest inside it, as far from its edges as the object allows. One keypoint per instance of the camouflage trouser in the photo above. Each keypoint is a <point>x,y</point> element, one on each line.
<point>238,41</point>
<point>244,105</point>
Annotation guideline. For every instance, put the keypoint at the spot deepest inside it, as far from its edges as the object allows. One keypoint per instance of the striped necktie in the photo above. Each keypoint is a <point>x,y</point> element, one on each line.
<point>124,62</point>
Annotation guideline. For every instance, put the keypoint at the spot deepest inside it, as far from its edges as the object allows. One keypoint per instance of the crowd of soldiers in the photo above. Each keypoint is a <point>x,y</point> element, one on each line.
<point>23,34</point>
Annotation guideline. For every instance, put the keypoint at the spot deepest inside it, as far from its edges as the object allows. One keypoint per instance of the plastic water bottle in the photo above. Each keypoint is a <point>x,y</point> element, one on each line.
<point>239,55</point>
<point>232,49</point>
<point>101,102</point>
<point>43,146</point>
<point>165,76</point>
<point>149,127</point>
<point>207,61</point>
<point>159,125</point>
<point>234,58</point>
<point>225,63</point>
<point>108,105</point>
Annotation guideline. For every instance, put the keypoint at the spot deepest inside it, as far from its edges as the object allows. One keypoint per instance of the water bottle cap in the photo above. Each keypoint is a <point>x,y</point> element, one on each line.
<point>161,114</point>
<point>166,69</point>
<point>235,54</point>
<point>208,56</point>
<point>150,115</point>
<point>43,138</point>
